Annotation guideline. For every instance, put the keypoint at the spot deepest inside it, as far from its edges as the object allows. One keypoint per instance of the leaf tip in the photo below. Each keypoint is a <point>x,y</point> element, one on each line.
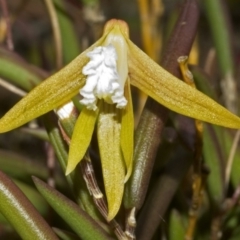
<point>69,169</point>
<point>128,175</point>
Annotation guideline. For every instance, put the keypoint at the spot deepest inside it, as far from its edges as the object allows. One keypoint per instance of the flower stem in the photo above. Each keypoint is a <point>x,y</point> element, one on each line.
<point>56,32</point>
<point>221,32</point>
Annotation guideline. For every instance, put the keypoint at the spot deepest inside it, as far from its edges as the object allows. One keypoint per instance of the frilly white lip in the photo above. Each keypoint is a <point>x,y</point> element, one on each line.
<point>102,79</point>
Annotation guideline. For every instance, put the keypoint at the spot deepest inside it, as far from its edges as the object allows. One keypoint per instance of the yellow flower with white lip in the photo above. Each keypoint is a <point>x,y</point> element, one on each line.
<point>102,74</point>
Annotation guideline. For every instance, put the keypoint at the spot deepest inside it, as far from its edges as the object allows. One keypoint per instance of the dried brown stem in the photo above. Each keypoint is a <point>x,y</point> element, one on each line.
<point>198,175</point>
<point>231,158</point>
<point>155,115</point>
<point>98,197</point>
<point>7,19</point>
<point>51,164</point>
<point>131,224</point>
<point>10,87</point>
<point>149,16</point>
<point>227,205</point>
<point>56,32</point>
<point>93,188</point>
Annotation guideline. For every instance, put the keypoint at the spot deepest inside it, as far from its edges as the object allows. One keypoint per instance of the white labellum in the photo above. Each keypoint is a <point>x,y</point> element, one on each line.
<point>102,79</point>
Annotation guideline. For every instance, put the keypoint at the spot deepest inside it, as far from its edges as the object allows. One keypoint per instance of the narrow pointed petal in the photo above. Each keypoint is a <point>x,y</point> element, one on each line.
<point>81,138</point>
<point>127,131</point>
<point>113,167</point>
<point>176,95</point>
<point>51,93</point>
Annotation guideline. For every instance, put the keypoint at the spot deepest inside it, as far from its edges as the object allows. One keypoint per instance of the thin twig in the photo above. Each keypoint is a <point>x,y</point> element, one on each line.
<point>149,134</point>
<point>145,24</point>
<point>94,190</point>
<point>209,63</point>
<point>131,224</point>
<point>7,19</point>
<point>199,175</point>
<point>150,35</point>
<point>157,10</point>
<point>98,197</point>
<point>144,13</point>
<point>231,158</point>
<point>12,88</point>
<point>56,33</point>
<point>229,204</point>
<point>217,14</point>
<point>151,38</point>
<point>50,163</point>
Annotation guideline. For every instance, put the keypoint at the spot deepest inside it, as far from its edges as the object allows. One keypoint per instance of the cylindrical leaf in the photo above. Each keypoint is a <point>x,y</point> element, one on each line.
<point>83,225</point>
<point>19,211</point>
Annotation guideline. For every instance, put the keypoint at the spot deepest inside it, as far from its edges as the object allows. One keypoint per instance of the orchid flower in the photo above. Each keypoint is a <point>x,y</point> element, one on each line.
<point>102,76</point>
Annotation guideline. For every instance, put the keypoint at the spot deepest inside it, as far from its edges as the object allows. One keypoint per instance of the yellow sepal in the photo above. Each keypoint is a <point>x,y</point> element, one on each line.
<point>55,91</point>
<point>81,138</point>
<point>176,95</point>
<point>113,167</point>
<point>127,131</point>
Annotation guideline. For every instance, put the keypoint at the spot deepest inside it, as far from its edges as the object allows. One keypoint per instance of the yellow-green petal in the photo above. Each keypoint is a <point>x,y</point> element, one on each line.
<point>127,131</point>
<point>81,138</point>
<point>176,95</point>
<point>113,167</point>
<point>51,93</point>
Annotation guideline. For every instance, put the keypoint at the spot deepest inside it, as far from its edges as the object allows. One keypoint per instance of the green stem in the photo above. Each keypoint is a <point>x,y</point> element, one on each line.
<point>70,42</point>
<point>217,18</point>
